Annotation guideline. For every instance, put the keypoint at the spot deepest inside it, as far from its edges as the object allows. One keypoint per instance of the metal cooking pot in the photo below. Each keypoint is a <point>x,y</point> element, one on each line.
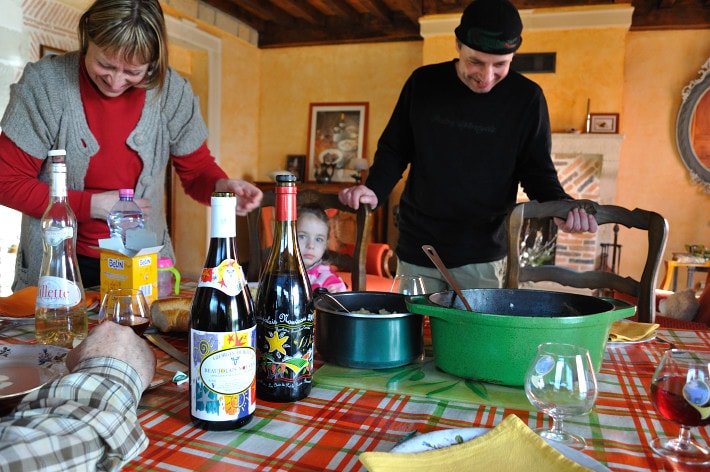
<point>498,340</point>
<point>367,340</point>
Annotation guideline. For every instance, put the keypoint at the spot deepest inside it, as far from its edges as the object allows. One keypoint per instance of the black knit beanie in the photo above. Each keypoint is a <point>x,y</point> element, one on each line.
<point>491,26</point>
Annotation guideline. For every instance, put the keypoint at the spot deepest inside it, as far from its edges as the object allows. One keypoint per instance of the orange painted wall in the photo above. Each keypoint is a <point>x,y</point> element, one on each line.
<point>590,65</point>
<point>292,78</point>
<point>658,64</point>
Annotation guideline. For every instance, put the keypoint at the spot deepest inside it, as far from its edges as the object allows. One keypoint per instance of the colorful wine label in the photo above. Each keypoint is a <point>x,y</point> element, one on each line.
<point>286,352</point>
<point>224,387</point>
<point>57,292</point>
<point>227,277</point>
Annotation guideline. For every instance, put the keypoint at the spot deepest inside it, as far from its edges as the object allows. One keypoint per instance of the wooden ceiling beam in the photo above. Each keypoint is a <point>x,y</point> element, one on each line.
<point>283,23</point>
<point>345,8</point>
<point>300,9</point>
<point>377,8</point>
<point>259,9</point>
<point>648,16</point>
<point>412,9</point>
<point>433,7</point>
<point>328,8</point>
<point>231,9</point>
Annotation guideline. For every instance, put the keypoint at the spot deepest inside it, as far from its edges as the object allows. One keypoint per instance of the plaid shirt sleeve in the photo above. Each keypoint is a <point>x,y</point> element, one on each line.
<point>85,420</point>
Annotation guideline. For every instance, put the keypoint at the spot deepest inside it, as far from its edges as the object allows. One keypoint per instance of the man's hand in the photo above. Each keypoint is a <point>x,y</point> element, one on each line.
<point>110,339</point>
<point>578,221</point>
<point>101,204</point>
<point>354,196</point>
<point>248,195</point>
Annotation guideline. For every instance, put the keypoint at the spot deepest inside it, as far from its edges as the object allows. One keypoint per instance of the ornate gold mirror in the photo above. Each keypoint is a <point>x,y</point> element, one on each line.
<point>693,128</point>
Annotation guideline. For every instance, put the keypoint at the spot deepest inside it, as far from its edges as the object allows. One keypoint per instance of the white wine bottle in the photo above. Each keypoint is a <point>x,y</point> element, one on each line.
<point>222,331</point>
<point>284,309</point>
<point>60,307</point>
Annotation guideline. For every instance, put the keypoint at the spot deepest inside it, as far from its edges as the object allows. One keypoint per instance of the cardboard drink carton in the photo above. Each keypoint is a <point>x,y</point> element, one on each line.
<point>133,265</point>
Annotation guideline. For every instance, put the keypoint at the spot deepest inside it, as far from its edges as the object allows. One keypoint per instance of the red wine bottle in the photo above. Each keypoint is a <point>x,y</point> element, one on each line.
<point>222,331</point>
<point>284,309</point>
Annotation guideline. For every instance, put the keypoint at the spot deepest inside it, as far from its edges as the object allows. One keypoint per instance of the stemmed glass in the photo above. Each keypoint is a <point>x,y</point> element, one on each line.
<point>408,285</point>
<point>126,307</point>
<point>561,383</point>
<point>680,391</point>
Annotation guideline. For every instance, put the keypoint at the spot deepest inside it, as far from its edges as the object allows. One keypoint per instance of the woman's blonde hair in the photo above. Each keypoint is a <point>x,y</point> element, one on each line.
<point>134,29</point>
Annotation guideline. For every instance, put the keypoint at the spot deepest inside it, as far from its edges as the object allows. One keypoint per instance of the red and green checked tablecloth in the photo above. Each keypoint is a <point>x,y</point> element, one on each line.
<point>334,424</point>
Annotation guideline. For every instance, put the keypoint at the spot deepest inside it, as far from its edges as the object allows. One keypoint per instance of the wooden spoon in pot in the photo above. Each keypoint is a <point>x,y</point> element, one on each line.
<point>434,256</point>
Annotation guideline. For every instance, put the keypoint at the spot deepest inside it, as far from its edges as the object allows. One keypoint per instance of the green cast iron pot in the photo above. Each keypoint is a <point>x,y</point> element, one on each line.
<point>497,342</point>
<point>367,340</point>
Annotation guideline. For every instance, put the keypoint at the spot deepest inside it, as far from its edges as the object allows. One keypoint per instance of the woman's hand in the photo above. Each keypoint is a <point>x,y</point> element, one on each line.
<point>248,195</point>
<point>101,204</point>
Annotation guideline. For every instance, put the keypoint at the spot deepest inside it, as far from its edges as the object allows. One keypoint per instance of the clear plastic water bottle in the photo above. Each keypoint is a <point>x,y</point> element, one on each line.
<point>124,215</point>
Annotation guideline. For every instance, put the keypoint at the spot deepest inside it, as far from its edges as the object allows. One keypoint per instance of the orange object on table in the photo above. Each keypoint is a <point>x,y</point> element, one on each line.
<point>21,304</point>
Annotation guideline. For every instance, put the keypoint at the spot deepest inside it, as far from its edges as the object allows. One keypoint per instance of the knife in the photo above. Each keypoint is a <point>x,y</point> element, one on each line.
<point>167,348</point>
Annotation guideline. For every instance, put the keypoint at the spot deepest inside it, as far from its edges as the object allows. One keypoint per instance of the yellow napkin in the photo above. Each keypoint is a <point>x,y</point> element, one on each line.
<point>631,330</point>
<point>510,445</point>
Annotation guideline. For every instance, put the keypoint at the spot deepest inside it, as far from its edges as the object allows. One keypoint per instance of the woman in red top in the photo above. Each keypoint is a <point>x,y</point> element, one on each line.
<point>121,114</point>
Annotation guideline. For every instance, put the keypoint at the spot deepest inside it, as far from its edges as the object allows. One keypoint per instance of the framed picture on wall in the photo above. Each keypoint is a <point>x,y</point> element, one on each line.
<point>603,122</point>
<point>296,164</point>
<point>337,138</point>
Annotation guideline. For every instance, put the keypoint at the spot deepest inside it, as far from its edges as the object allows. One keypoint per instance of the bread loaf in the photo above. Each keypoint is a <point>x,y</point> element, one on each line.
<point>171,314</point>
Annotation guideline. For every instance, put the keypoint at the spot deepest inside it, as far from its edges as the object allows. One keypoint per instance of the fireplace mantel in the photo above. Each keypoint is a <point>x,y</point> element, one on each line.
<point>584,146</point>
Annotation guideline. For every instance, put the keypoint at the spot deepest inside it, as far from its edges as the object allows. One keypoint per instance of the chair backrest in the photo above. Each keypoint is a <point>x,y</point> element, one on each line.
<point>327,201</point>
<point>642,289</point>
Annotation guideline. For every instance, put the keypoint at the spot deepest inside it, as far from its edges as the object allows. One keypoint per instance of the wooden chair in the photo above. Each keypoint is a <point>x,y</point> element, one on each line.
<point>256,227</point>
<point>642,290</point>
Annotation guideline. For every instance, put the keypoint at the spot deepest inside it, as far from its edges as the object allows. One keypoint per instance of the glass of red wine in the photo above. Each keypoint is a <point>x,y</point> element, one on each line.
<point>680,391</point>
<point>126,307</point>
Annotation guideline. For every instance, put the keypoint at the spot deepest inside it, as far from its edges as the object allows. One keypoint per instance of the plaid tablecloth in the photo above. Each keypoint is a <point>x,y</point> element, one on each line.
<point>328,430</point>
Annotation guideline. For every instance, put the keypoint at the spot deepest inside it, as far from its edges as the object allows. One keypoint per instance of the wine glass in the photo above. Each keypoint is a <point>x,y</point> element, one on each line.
<point>561,382</point>
<point>408,285</point>
<point>680,392</point>
<point>126,307</point>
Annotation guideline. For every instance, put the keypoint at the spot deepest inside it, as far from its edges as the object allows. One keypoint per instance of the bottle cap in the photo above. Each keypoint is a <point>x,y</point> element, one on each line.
<point>56,152</point>
<point>285,178</point>
<point>164,263</point>
<point>125,192</point>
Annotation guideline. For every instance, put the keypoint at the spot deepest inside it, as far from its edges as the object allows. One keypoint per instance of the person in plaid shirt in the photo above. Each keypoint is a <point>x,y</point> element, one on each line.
<point>86,420</point>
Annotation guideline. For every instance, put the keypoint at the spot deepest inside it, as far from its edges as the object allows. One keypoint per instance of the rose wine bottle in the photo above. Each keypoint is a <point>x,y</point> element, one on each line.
<point>284,309</point>
<point>60,308</point>
<point>222,331</point>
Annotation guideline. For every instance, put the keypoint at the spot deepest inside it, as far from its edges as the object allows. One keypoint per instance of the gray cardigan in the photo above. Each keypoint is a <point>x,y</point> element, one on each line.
<point>45,112</point>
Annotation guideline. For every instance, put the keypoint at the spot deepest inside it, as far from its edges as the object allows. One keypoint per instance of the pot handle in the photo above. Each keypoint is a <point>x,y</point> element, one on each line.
<point>420,305</point>
<point>621,309</point>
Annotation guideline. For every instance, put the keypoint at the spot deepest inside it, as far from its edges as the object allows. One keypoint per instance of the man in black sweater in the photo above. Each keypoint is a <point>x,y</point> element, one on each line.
<point>470,130</point>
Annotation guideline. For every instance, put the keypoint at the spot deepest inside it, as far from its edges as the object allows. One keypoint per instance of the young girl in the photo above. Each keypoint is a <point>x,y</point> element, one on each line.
<point>313,232</point>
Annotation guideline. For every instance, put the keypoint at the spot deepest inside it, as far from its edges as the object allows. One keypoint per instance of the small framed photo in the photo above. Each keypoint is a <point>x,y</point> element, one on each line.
<point>296,164</point>
<point>337,138</point>
<point>45,50</point>
<point>603,122</point>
